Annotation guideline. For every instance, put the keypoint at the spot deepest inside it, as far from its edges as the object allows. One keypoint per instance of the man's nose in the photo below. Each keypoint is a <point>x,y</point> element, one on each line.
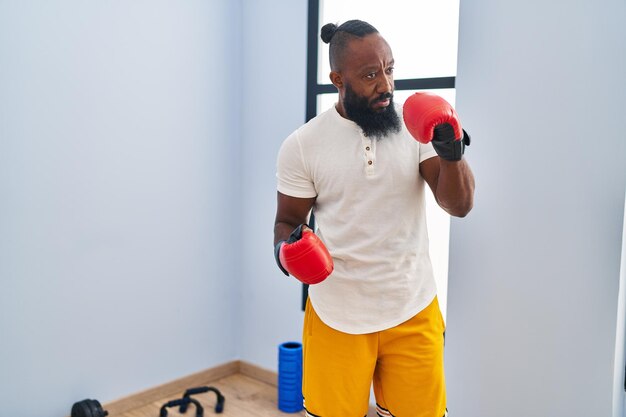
<point>385,84</point>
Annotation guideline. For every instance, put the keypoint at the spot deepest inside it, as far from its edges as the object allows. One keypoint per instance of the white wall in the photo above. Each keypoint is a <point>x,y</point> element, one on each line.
<point>274,87</point>
<point>119,185</point>
<point>534,269</point>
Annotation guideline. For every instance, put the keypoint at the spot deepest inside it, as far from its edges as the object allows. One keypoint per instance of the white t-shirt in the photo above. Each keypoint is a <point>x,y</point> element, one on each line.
<point>369,213</point>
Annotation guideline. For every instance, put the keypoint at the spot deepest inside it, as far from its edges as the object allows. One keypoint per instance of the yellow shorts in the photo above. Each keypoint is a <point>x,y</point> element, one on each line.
<point>404,363</point>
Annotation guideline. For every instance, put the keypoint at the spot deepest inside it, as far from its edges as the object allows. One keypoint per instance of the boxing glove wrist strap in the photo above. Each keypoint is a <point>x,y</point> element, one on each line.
<point>277,256</point>
<point>446,145</point>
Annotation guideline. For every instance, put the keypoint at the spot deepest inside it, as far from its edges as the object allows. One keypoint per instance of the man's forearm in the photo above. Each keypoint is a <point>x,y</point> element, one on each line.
<point>282,231</point>
<point>455,187</point>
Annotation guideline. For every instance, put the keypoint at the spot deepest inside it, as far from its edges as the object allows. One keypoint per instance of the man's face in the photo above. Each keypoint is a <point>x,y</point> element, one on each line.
<point>366,94</point>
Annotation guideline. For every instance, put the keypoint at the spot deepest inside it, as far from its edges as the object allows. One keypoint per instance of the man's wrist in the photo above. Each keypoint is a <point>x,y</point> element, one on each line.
<point>450,149</point>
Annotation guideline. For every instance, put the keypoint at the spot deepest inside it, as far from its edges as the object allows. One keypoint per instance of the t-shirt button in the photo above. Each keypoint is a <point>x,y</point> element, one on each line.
<point>369,162</point>
<point>367,148</point>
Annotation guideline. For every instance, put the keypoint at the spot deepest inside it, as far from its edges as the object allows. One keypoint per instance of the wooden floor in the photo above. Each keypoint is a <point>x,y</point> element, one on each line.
<point>249,391</point>
<point>245,397</point>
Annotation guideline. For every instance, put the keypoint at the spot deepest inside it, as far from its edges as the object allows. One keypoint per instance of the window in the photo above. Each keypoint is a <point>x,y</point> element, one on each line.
<point>423,36</point>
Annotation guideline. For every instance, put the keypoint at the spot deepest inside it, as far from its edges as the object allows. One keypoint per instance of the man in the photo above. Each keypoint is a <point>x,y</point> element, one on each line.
<point>372,313</point>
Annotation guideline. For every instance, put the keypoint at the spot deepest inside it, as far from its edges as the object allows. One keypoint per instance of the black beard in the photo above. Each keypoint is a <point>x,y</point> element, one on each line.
<point>373,123</point>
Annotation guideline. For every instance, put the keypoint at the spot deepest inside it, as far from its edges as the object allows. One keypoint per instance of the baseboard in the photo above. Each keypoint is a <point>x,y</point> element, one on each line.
<point>176,387</point>
<point>258,373</point>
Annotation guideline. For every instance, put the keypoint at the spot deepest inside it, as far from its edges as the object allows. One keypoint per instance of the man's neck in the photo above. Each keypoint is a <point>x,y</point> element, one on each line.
<point>340,109</point>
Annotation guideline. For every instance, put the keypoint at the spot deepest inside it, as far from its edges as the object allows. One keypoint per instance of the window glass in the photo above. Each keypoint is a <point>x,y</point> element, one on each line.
<point>423,34</point>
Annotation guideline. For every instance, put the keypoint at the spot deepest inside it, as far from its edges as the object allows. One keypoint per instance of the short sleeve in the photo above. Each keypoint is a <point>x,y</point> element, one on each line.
<point>293,179</point>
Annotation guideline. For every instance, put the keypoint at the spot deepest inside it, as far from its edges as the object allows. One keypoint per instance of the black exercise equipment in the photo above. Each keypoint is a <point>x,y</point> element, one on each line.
<point>93,408</point>
<point>179,403</point>
<point>219,406</point>
<point>88,408</point>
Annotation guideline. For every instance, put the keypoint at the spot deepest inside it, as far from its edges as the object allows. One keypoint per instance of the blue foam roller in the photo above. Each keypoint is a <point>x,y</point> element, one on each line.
<point>290,377</point>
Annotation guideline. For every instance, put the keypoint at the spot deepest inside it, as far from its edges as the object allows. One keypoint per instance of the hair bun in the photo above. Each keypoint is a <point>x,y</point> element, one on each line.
<point>328,31</point>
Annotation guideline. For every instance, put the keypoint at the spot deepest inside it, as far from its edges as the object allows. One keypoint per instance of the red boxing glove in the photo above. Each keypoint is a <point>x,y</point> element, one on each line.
<point>304,256</point>
<point>429,117</point>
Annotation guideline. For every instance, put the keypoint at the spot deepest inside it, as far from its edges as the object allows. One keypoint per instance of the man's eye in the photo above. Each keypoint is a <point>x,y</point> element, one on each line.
<point>390,70</point>
<point>370,76</point>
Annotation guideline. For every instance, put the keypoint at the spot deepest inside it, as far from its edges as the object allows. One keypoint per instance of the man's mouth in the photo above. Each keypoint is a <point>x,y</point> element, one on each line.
<point>379,104</point>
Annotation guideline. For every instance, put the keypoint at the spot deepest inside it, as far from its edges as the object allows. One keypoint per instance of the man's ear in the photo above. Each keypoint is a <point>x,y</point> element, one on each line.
<point>336,79</point>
